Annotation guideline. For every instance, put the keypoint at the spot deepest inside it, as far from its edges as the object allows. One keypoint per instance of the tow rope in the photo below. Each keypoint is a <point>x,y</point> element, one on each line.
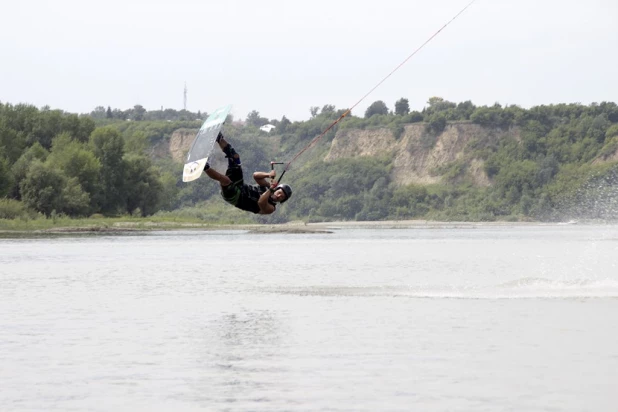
<point>347,112</point>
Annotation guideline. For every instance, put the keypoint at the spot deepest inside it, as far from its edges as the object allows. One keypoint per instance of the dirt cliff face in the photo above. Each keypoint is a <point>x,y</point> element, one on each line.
<point>180,143</point>
<point>418,154</point>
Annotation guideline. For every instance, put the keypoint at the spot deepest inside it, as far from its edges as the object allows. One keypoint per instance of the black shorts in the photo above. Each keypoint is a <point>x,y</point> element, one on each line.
<point>231,192</point>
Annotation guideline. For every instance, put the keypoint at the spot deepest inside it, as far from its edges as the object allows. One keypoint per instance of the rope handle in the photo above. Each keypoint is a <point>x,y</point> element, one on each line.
<point>272,167</point>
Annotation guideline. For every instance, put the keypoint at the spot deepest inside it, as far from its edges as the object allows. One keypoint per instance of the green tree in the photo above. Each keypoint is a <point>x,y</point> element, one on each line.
<point>6,179</point>
<point>377,107</point>
<point>21,118</point>
<point>494,116</point>
<point>48,124</point>
<point>402,107</point>
<point>19,170</point>
<point>85,128</point>
<point>76,161</point>
<point>328,109</point>
<point>598,128</point>
<point>75,202</point>
<point>283,125</point>
<point>120,114</point>
<point>254,119</point>
<point>437,105</point>
<point>144,183</point>
<point>71,125</point>
<point>98,112</point>
<point>170,190</point>
<point>108,146</point>
<point>410,201</point>
<point>518,177</point>
<point>12,142</point>
<point>437,123</point>
<point>138,112</point>
<point>41,190</point>
<point>136,142</point>
<point>413,117</point>
<point>464,110</point>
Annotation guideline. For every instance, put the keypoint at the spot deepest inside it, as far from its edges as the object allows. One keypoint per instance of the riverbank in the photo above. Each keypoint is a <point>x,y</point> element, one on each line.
<point>123,225</point>
<point>120,225</point>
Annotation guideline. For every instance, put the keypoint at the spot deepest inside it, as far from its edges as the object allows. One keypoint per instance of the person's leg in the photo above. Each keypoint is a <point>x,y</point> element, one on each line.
<point>233,158</point>
<point>213,174</point>
<point>232,192</point>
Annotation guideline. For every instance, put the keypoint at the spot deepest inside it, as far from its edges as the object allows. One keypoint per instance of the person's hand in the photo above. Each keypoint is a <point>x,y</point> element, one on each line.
<point>272,186</point>
<point>272,174</point>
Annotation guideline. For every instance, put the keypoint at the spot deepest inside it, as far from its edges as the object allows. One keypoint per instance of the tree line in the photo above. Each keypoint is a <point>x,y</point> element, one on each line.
<point>53,162</point>
<point>139,113</point>
<point>552,160</point>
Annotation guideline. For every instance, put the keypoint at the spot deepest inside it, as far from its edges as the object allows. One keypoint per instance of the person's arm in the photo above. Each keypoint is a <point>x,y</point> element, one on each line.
<point>265,207</point>
<point>260,177</point>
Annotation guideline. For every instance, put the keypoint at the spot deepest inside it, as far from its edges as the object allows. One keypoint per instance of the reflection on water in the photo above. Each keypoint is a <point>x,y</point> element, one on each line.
<point>256,329</point>
<point>364,320</point>
<point>247,344</point>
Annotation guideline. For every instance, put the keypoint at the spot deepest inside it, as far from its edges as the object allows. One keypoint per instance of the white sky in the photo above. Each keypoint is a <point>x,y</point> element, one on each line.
<point>281,57</point>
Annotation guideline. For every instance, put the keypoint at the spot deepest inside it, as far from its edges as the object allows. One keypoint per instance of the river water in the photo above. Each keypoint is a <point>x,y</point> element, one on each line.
<point>479,318</point>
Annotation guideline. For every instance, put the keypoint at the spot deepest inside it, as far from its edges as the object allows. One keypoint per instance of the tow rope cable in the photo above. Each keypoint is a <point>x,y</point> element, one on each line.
<point>348,111</point>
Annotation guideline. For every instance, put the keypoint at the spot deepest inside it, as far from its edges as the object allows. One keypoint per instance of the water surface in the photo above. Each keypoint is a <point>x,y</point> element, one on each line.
<point>479,318</point>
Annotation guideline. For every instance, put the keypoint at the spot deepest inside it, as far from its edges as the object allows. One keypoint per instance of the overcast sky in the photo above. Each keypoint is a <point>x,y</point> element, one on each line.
<point>281,57</point>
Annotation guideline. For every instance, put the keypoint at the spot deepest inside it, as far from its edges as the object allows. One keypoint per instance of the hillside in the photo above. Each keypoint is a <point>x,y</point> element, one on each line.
<point>417,156</point>
<point>465,171</point>
<point>452,161</point>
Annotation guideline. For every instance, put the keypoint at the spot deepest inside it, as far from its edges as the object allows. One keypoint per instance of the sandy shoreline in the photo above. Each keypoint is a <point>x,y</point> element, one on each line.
<point>322,227</point>
<point>290,227</point>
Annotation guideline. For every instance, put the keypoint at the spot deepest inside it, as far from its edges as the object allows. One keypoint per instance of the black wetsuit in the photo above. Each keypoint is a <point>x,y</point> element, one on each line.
<point>241,195</point>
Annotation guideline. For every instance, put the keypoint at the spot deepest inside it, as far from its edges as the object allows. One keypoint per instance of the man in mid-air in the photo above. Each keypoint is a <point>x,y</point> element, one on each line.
<point>261,198</point>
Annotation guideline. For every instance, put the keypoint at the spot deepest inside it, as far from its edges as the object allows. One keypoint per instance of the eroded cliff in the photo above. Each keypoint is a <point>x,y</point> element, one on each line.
<point>418,155</point>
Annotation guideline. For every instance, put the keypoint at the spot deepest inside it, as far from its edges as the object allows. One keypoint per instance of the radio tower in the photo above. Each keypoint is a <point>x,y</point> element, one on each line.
<point>185,102</point>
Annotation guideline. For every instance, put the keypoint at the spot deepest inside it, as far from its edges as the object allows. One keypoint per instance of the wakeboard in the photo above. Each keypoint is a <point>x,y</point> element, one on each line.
<point>204,143</point>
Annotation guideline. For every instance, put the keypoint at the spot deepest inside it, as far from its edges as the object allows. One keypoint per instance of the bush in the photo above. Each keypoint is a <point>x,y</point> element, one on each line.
<point>397,129</point>
<point>436,124</point>
<point>14,209</point>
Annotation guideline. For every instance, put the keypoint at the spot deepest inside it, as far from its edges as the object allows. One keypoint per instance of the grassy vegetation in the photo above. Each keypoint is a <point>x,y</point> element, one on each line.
<point>550,163</point>
<point>211,214</point>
